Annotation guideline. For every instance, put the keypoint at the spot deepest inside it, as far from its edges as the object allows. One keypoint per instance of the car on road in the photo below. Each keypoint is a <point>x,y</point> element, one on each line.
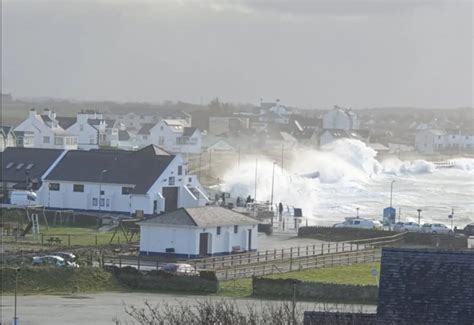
<point>179,269</point>
<point>68,257</point>
<point>469,230</point>
<point>360,223</point>
<point>407,227</point>
<point>436,228</point>
<point>52,260</point>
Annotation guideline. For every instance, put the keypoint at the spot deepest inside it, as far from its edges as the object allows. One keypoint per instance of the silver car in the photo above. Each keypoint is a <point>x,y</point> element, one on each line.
<point>436,228</point>
<point>407,227</point>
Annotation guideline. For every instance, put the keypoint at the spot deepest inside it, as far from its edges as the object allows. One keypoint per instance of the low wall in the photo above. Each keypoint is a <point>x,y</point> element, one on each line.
<point>329,318</point>
<point>162,281</point>
<point>341,234</point>
<point>288,288</point>
<point>434,240</point>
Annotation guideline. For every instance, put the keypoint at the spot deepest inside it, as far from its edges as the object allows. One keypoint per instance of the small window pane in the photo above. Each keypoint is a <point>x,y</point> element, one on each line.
<point>78,188</point>
<point>54,187</point>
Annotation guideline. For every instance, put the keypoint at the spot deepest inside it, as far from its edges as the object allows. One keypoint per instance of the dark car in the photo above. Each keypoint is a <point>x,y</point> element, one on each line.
<point>469,230</point>
<point>179,269</point>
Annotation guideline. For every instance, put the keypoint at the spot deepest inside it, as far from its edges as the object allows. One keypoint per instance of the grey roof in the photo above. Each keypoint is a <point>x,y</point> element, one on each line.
<point>146,127</point>
<point>45,118</point>
<point>65,121</point>
<point>41,159</point>
<point>123,135</point>
<point>139,168</point>
<point>205,216</point>
<point>426,286</point>
<point>108,122</point>
<point>188,131</point>
<point>5,129</point>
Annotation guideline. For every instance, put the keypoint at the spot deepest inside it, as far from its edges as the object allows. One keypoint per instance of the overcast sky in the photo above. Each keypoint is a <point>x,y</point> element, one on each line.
<point>312,54</point>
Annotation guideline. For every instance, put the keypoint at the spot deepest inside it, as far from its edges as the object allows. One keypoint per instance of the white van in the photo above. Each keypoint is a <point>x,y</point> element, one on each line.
<point>23,198</point>
<point>360,223</point>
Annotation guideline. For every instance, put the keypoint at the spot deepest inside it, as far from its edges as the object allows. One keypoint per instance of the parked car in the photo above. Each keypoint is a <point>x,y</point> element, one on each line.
<point>68,257</point>
<point>436,228</point>
<point>360,223</point>
<point>179,269</point>
<point>407,227</point>
<point>469,230</point>
<point>52,260</point>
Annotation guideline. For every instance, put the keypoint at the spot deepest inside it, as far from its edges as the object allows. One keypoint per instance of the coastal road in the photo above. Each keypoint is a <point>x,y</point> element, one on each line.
<point>103,308</point>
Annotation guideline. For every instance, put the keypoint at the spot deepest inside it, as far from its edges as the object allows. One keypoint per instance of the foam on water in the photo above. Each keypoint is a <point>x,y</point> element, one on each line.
<point>350,177</point>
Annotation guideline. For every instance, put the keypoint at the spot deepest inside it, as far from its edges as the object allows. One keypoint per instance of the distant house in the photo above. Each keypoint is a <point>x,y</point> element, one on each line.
<point>433,140</point>
<point>148,181</point>
<point>217,144</point>
<point>46,131</point>
<point>135,121</point>
<point>171,135</point>
<point>7,137</point>
<point>341,119</point>
<point>219,125</point>
<point>195,232</point>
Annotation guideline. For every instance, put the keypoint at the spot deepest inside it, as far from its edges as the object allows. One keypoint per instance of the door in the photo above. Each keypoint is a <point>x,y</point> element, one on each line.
<point>171,198</point>
<point>203,241</point>
<point>250,240</point>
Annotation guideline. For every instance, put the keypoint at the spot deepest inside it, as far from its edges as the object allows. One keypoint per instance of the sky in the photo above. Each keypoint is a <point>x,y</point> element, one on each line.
<point>309,54</point>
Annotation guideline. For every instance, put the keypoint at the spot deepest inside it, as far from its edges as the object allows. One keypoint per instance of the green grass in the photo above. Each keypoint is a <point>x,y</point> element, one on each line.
<point>357,274</point>
<point>82,236</point>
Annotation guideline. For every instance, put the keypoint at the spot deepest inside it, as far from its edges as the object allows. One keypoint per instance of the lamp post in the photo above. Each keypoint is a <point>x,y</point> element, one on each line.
<point>357,212</point>
<point>419,215</point>
<point>391,192</point>
<point>15,318</point>
<point>273,182</point>
<point>100,187</point>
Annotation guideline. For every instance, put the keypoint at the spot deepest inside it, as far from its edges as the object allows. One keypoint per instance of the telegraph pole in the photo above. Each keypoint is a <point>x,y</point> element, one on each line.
<point>256,166</point>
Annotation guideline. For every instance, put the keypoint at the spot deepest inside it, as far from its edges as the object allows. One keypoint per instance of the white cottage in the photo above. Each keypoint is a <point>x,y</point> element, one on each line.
<point>148,181</point>
<point>195,232</point>
<point>340,118</point>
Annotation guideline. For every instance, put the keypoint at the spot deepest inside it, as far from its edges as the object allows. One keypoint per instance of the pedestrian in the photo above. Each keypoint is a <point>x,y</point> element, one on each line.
<point>280,209</point>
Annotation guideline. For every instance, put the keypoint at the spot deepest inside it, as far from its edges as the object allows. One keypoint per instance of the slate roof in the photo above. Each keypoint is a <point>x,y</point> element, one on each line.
<point>123,135</point>
<point>108,122</point>
<point>41,159</point>
<point>426,286</point>
<point>188,131</point>
<point>139,168</point>
<point>206,216</point>
<point>146,127</point>
<point>65,121</point>
<point>5,129</point>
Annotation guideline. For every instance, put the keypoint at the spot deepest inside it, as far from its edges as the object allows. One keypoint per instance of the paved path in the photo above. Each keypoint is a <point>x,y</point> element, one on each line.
<point>103,308</point>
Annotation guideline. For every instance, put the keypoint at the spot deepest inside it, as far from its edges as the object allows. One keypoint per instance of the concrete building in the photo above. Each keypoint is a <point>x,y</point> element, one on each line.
<point>194,232</point>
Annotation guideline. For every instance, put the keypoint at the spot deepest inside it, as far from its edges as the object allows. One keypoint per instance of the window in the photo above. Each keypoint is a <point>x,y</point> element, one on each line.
<point>54,186</point>
<point>19,166</point>
<point>94,202</point>
<point>161,141</point>
<point>29,166</point>
<point>127,190</point>
<point>78,188</point>
<point>190,179</point>
<point>102,192</point>
<point>107,203</point>
<point>236,229</point>
<point>171,180</point>
<point>180,170</point>
<point>46,139</point>
<point>102,202</point>
<point>218,230</point>
<point>81,127</point>
<point>161,128</point>
<point>145,137</point>
<point>58,141</point>
<point>10,165</point>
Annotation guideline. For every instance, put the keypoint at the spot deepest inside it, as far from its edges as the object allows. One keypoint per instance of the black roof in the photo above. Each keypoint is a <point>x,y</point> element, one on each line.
<point>426,286</point>
<point>137,168</point>
<point>146,127</point>
<point>188,131</point>
<point>35,163</point>
<point>65,121</point>
<point>123,135</point>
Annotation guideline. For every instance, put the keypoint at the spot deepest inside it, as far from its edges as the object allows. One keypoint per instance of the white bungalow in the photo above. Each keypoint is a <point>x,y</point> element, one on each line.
<point>148,181</point>
<point>194,232</point>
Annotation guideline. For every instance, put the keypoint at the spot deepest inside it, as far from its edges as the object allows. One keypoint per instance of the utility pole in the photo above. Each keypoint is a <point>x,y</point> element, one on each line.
<point>391,192</point>
<point>451,216</point>
<point>357,212</point>
<point>419,215</point>
<point>256,166</point>
<point>15,317</point>
<point>273,182</point>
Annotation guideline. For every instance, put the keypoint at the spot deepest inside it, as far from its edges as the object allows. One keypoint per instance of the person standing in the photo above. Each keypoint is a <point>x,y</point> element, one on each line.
<point>280,210</point>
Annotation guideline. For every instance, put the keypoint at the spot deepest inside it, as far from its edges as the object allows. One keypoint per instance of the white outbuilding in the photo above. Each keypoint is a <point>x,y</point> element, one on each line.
<point>197,232</point>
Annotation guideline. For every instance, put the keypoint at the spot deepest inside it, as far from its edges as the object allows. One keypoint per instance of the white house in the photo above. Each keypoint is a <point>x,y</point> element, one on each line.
<point>46,131</point>
<point>194,232</point>
<point>219,125</point>
<point>432,140</point>
<point>7,137</point>
<point>217,144</point>
<point>172,135</point>
<point>341,119</point>
<point>148,181</point>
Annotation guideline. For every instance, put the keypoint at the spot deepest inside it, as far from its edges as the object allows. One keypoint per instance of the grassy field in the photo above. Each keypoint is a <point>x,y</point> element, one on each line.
<point>357,274</point>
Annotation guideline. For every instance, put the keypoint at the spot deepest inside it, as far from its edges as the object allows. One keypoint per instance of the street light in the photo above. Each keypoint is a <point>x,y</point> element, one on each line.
<point>357,212</point>
<point>100,186</point>
<point>15,318</point>
<point>273,182</point>
<point>419,215</point>
<point>391,192</point>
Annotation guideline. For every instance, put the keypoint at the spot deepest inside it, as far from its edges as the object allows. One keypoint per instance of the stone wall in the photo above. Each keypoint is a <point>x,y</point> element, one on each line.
<point>330,318</point>
<point>341,234</point>
<point>289,288</point>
